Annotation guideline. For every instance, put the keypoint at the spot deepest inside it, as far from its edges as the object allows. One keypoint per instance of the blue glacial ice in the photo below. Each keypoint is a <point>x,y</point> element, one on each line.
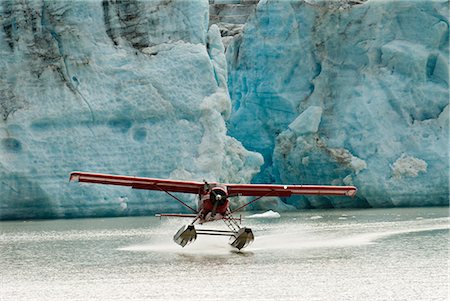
<point>346,95</point>
<point>93,86</point>
<point>325,94</point>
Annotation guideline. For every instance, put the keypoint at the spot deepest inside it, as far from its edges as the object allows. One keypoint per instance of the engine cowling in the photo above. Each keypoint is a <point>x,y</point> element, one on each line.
<point>217,201</point>
<point>219,195</point>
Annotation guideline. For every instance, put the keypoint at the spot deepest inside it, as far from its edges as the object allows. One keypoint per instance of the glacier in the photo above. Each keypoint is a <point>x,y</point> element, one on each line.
<point>135,88</point>
<point>310,92</point>
<point>346,94</point>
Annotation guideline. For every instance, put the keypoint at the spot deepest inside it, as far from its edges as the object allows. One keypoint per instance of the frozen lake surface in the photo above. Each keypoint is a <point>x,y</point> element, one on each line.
<point>374,254</point>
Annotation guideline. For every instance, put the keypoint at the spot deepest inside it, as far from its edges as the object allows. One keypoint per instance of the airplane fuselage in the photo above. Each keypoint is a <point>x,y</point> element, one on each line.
<point>213,204</point>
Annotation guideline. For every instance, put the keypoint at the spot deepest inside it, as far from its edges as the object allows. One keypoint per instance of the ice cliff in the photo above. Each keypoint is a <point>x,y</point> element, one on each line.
<point>129,87</point>
<point>331,92</point>
<point>326,93</point>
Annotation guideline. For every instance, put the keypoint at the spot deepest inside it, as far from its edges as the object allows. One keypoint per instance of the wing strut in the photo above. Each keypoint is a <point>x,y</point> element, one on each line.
<point>177,199</point>
<point>252,201</point>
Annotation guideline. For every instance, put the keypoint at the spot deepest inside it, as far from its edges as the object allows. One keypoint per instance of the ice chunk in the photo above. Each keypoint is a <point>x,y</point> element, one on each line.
<point>316,217</point>
<point>267,214</point>
<point>308,121</point>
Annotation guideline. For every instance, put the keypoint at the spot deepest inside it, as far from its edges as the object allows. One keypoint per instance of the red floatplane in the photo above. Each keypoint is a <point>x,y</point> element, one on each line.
<point>213,201</point>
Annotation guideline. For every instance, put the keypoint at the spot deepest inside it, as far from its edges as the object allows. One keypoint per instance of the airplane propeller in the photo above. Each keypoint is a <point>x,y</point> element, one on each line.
<point>217,198</point>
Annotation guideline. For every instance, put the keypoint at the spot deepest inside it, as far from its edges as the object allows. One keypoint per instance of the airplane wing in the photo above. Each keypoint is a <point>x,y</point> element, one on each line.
<point>138,182</point>
<point>197,187</point>
<point>262,190</point>
<point>168,186</point>
<point>288,190</point>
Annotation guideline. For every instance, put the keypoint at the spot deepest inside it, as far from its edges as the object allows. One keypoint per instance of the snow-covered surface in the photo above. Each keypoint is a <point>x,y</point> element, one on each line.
<point>267,214</point>
<point>325,93</point>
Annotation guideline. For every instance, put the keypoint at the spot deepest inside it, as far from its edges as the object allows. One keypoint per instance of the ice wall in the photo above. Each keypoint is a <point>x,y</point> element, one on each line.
<point>328,92</point>
<point>334,93</point>
<point>124,87</point>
